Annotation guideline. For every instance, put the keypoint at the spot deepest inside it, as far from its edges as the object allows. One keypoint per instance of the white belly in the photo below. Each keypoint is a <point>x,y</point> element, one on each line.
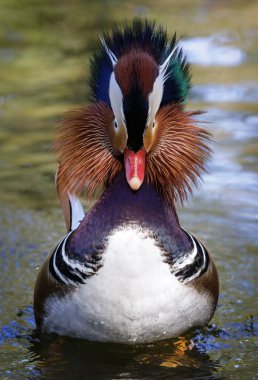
<point>132,298</point>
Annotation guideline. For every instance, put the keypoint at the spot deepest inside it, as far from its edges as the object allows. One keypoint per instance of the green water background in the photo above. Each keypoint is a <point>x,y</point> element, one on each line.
<point>44,59</point>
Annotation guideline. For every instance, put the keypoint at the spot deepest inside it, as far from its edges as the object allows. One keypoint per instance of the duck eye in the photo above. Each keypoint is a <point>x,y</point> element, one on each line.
<point>153,123</point>
<point>115,124</point>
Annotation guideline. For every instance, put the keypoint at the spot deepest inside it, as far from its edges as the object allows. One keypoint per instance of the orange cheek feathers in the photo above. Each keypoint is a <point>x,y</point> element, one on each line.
<point>134,167</point>
<point>118,138</point>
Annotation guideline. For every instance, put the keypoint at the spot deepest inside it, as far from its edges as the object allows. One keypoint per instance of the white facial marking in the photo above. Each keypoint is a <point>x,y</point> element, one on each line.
<point>156,95</point>
<point>115,93</point>
<point>116,100</point>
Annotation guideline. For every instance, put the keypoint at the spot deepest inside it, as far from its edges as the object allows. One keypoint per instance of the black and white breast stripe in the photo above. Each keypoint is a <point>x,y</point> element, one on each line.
<point>64,267</point>
<point>69,271</point>
<point>193,264</point>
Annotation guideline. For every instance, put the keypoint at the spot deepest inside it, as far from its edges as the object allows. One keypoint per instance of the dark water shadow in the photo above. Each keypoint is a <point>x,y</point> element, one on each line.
<point>63,358</point>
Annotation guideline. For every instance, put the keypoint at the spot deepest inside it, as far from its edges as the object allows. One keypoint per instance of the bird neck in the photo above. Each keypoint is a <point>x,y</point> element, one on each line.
<point>142,205</point>
<point>120,206</point>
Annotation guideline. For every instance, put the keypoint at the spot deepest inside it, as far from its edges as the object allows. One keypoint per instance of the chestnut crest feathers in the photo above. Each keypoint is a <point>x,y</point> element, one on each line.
<point>139,81</point>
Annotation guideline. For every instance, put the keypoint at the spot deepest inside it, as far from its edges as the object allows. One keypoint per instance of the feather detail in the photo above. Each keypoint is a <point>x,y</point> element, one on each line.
<point>136,66</point>
<point>178,157</point>
<point>164,66</point>
<point>111,55</point>
<point>88,161</point>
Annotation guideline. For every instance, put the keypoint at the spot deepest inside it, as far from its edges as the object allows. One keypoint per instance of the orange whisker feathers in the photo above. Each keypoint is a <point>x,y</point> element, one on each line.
<point>178,158</point>
<point>88,162</point>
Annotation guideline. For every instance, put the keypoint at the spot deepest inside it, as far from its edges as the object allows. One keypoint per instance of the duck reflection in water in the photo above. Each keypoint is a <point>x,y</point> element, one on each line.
<point>70,358</point>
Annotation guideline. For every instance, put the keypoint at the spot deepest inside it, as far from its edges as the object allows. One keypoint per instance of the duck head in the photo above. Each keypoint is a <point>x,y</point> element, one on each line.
<point>139,83</point>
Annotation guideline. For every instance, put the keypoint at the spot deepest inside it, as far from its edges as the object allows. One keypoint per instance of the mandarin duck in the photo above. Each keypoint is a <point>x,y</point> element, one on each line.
<point>126,271</point>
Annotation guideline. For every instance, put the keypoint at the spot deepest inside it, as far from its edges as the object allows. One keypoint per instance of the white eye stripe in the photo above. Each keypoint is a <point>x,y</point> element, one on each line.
<point>155,97</point>
<point>116,98</point>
